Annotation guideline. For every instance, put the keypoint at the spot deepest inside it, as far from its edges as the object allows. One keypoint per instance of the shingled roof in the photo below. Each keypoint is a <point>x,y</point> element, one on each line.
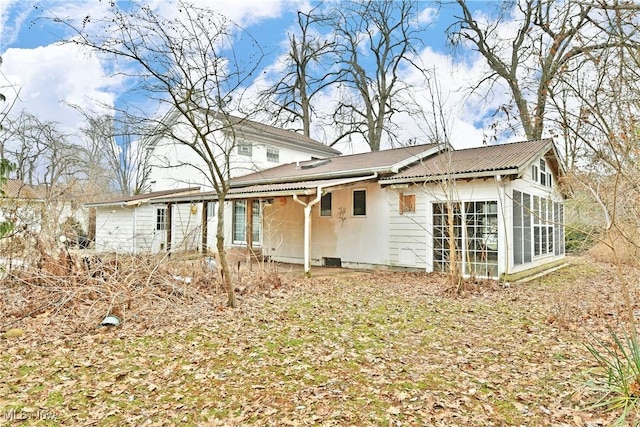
<point>261,129</point>
<point>16,189</point>
<point>480,161</point>
<point>382,162</point>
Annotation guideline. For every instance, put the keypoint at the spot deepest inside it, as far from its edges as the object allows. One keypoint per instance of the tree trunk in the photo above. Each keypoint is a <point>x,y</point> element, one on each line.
<point>455,278</point>
<point>224,266</point>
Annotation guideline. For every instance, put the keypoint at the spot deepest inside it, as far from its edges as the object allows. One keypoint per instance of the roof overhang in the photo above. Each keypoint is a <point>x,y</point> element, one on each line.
<point>303,188</point>
<point>440,177</point>
<point>142,199</point>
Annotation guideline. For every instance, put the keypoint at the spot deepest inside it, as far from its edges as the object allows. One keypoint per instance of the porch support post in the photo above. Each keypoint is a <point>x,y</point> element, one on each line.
<point>169,220</point>
<point>204,227</point>
<point>307,240</point>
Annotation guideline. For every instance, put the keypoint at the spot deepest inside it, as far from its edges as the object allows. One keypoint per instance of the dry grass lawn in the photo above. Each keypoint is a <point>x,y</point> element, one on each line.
<point>351,349</point>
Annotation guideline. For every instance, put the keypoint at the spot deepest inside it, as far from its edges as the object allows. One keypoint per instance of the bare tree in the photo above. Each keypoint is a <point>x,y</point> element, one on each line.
<point>42,154</point>
<point>188,65</point>
<point>375,40</point>
<point>609,169</point>
<point>116,153</point>
<point>306,73</point>
<point>357,51</point>
<point>552,39</point>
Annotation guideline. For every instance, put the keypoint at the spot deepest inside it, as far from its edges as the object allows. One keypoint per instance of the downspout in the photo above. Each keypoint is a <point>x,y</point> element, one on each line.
<point>135,221</point>
<point>307,218</point>
<point>502,199</point>
<point>307,228</point>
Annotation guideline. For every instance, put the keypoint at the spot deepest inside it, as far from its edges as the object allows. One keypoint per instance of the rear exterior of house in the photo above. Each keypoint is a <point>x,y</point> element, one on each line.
<point>147,223</point>
<point>134,225</point>
<point>506,212</point>
<point>502,229</point>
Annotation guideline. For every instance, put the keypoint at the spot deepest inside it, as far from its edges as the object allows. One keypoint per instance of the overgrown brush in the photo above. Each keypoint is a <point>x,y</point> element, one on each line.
<point>75,292</point>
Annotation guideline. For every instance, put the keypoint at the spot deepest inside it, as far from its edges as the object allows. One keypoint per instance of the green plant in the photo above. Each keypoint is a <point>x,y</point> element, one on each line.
<point>617,377</point>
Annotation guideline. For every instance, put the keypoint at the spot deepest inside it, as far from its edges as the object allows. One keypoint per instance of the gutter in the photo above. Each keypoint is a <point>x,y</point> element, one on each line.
<point>330,175</point>
<point>431,178</point>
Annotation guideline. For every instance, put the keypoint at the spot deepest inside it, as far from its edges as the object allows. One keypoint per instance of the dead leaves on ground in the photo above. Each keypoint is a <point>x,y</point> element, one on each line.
<point>359,349</point>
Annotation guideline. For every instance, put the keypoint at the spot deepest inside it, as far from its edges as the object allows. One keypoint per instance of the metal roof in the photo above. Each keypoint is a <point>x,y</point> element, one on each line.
<point>406,164</point>
<point>266,190</point>
<point>480,161</point>
<point>139,199</point>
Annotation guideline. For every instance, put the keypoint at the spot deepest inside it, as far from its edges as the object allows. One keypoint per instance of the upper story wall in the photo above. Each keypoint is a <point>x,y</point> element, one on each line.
<point>175,164</point>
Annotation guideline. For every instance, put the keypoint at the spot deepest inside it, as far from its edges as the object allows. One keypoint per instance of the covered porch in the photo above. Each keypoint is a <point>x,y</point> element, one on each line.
<point>269,221</point>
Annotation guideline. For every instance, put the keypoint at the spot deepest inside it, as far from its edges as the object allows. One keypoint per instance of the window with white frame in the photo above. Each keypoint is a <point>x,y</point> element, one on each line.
<point>542,226</point>
<point>245,149</point>
<point>239,223</point>
<point>538,228</point>
<point>273,155</point>
<point>521,228</point>
<point>359,202</point>
<point>475,228</point>
<point>161,219</point>
<point>211,209</point>
<point>541,174</point>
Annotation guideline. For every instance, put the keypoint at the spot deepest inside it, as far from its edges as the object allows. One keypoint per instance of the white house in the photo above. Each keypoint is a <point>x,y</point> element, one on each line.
<point>389,209</point>
<point>146,223</point>
<point>133,224</point>
<point>251,146</point>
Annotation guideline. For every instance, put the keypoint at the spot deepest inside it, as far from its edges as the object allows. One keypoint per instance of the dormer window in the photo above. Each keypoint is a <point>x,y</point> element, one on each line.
<point>245,149</point>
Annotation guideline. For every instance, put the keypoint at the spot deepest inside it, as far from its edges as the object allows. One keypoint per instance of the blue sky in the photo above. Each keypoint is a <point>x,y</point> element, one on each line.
<point>49,76</point>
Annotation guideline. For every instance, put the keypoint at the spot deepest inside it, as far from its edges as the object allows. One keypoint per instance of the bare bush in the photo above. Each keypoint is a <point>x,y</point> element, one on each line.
<point>74,292</point>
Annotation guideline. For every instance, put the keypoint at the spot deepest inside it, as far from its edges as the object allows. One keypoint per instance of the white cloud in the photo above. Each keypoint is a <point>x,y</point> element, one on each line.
<point>428,15</point>
<point>13,14</point>
<point>50,76</point>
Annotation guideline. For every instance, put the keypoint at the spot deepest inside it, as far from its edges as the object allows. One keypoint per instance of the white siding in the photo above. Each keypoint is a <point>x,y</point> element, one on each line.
<point>148,238</point>
<point>408,235</point>
<point>186,227</point>
<point>175,165</point>
<point>114,229</point>
<point>359,241</point>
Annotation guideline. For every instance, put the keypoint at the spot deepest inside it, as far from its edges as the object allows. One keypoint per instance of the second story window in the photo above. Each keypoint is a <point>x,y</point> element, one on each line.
<point>273,155</point>
<point>245,149</point>
<point>541,175</point>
